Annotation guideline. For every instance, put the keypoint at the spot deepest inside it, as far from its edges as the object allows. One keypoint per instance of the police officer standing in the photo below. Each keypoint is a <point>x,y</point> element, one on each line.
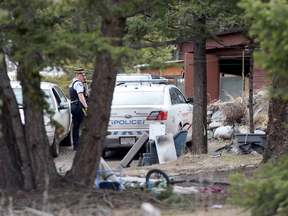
<point>78,89</point>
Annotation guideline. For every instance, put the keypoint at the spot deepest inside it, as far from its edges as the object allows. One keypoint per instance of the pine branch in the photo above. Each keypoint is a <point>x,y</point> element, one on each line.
<point>187,39</point>
<point>138,11</point>
<point>135,12</point>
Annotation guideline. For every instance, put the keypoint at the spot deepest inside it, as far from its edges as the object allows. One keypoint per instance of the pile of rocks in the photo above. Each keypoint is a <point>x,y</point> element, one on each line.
<point>217,130</point>
<point>216,127</point>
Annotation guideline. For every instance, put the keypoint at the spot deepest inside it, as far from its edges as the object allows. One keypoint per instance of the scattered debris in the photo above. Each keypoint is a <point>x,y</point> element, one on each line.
<point>149,209</point>
<point>217,206</point>
<point>215,155</point>
<point>227,147</point>
<point>61,168</point>
<point>256,113</point>
<point>184,190</point>
<point>37,212</point>
<point>211,190</point>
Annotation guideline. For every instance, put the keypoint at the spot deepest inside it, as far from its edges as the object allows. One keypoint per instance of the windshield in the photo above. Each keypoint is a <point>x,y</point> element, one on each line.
<point>138,98</point>
<point>19,97</point>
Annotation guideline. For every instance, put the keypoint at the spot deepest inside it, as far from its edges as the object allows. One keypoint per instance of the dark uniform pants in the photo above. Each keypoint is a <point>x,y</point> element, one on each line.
<point>77,118</point>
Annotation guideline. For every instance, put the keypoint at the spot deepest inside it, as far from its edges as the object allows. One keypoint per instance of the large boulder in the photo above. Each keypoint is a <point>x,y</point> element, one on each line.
<point>218,115</point>
<point>214,124</point>
<point>210,134</point>
<point>259,132</point>
<point>246,102</point>
<point>262,94</point>
<point>209,113</point>
<point>223,132</point>
<point>243,129</point>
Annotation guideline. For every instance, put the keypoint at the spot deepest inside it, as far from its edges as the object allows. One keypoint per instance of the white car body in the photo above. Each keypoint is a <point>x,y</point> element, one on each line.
<point>135,107</point>
<point>61,106</point>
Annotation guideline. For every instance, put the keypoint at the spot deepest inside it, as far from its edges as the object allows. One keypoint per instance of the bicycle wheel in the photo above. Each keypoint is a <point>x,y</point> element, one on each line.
<point>157,180</point>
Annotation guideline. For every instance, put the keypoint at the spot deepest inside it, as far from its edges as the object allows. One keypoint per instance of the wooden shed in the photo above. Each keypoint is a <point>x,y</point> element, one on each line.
<point>227,68</point>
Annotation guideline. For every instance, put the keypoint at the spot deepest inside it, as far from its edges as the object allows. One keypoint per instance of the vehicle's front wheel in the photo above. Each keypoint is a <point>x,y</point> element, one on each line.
<point>55,146</point>
<point>68,140</point>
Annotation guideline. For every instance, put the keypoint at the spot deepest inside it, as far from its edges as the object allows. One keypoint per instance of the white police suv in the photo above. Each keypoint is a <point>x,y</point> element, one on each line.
<point>136,105</point>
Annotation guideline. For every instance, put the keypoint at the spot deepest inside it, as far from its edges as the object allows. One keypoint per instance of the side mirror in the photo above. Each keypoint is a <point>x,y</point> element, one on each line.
<point>190,100</point>
<point>63,105</point>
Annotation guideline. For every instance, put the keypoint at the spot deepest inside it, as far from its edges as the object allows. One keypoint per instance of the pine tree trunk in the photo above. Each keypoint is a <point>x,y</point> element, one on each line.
<point>11,176</point>
<point>199,127</point>
<point>9,100</point>
<point>43,167</point>
<point>87,158</point>
<point>277,131</point>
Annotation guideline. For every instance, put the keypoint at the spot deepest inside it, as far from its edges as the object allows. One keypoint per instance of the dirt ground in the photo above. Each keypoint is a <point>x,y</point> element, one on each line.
<point>200,171</point>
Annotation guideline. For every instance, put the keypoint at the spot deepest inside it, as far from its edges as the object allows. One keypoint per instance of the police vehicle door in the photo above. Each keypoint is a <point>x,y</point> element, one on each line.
<point>61,116</point>
<point>179,106</point>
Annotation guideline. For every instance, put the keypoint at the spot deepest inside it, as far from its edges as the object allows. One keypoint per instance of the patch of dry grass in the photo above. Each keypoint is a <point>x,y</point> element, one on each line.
<point>234,112</point>
<point>190,162</point>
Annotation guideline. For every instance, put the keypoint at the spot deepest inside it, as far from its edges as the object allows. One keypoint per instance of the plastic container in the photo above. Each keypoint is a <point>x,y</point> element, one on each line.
<point>180,142</point>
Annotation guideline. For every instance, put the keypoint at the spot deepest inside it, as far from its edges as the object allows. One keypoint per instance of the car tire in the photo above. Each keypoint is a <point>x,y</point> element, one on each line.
<point>55,146</point>
<point>140,161</point>
<point>103,154</point>
<point>68,140</point>
<point>188,147</point>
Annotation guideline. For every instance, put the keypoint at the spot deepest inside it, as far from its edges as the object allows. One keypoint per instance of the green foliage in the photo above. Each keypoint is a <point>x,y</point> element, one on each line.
<point>62,81</point>
<point>173,199</point>
<point>266,192</point>
<point>166,193</point>
<point>270,24</point>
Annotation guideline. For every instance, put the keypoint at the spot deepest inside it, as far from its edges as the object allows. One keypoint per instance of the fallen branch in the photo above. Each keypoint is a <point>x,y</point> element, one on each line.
<point>109,203</point>
<point>37,212</point>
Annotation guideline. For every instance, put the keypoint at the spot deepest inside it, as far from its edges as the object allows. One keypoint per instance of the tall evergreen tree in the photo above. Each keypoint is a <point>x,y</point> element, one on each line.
<point>270,24</point>
<point>28,35</point>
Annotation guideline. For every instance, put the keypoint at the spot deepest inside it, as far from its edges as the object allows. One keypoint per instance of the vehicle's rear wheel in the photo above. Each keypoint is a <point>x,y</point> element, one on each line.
<point>103,154</point>
<point>188,147</point>
<point>68,140</point>
<point>55,146</point>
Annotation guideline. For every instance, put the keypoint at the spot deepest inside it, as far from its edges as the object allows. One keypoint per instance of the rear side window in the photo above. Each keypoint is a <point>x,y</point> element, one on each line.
<point>138,98</point>
<point>180,96</point>
<point>176,96</point>
<point>19,97</point>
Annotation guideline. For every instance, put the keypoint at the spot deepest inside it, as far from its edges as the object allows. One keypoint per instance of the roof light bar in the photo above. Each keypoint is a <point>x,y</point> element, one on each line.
<point>148,81</point>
